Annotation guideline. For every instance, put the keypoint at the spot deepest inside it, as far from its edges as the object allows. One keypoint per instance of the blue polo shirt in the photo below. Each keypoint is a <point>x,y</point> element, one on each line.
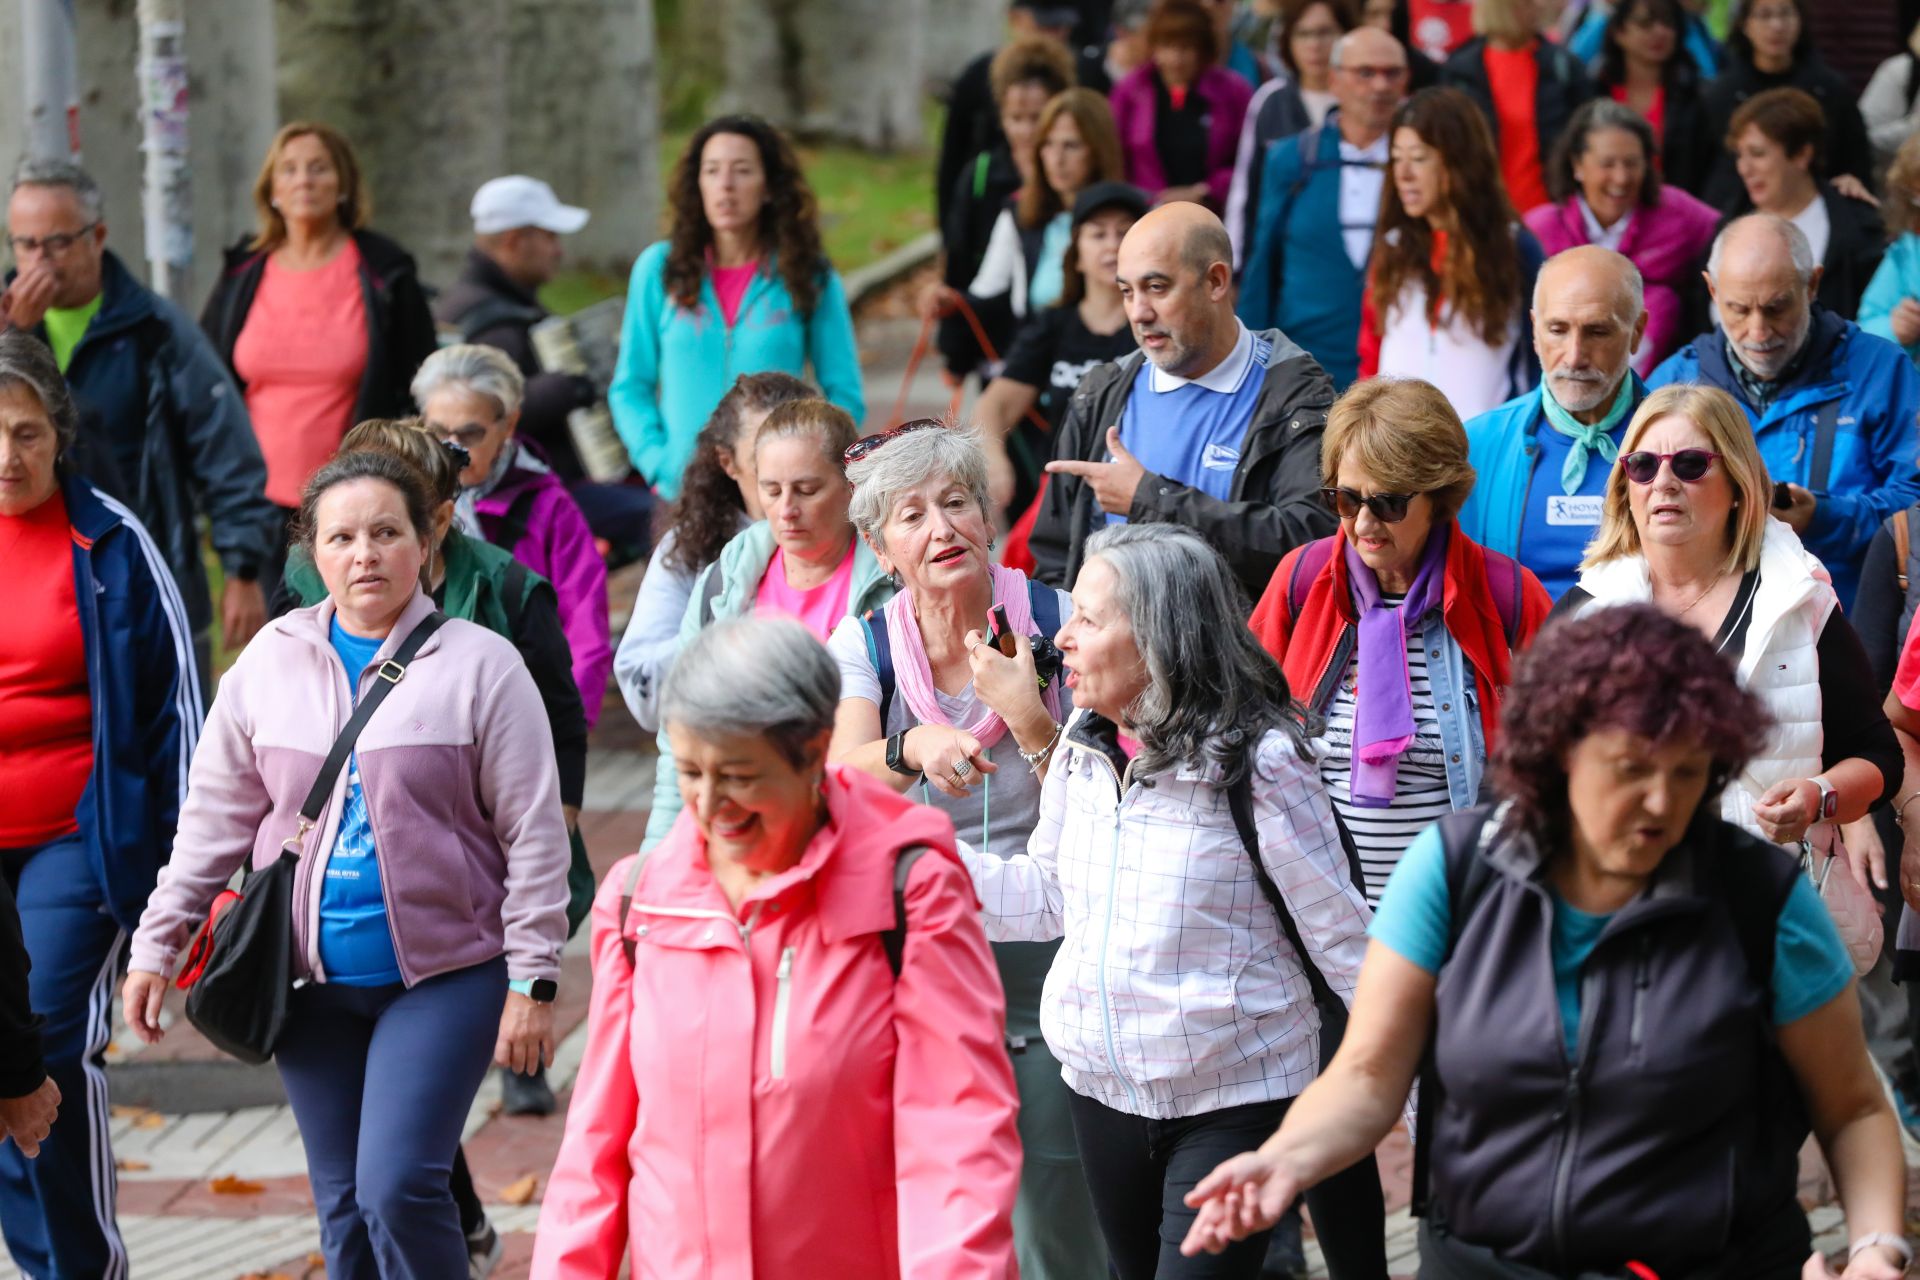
<point>1190,430</point>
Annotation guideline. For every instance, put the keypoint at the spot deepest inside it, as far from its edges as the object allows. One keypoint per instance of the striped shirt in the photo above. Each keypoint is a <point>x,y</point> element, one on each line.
<point>1420,794</point>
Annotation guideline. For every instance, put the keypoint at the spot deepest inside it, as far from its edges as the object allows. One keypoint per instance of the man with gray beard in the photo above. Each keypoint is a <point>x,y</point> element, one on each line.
<point>1833,407</point>
<point>1543,458</point>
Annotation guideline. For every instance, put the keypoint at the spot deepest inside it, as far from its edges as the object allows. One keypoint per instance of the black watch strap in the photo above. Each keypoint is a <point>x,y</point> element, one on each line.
<point>896,756</point>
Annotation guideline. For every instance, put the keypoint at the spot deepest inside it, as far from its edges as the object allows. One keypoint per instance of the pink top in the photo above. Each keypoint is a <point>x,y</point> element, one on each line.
<point>819,609</point>
<point>301,355</point>
<point>730,286</point>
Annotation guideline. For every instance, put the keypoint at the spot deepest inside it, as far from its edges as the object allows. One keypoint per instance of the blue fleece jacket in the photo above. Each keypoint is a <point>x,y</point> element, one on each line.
<point>1857,391</point>
<point>1897,277</point>
<point>676,363</point>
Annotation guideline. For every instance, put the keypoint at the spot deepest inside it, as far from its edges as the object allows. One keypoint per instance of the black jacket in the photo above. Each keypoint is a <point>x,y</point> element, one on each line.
<point>1562,87</point>
<point>1275,501</point>
<point>400,332</point>
<point>1845,149</point>
<point>1688,145</point>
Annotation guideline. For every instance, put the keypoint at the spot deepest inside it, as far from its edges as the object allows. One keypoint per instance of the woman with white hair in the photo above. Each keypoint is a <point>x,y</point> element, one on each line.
<point>1187,853</point>
<point>470,395</point>
<point>931,707</point>
<point>794,1062</point>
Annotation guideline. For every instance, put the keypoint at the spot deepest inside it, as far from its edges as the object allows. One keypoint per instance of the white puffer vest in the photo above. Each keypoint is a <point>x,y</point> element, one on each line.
<point>1780,663</point>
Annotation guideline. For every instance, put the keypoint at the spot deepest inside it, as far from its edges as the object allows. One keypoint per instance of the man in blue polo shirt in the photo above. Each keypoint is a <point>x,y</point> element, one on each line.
<point>1544,457</point>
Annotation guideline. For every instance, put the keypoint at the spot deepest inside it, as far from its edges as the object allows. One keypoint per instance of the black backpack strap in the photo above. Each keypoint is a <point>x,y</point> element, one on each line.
<point>492,312</point>
<point>514,524</point>
<point>627,940</point>
<point>516,584</point>
<point>1240,805</point>
<point>390,673</point>
<point>1826,425</point>
<point>1044,602</point>
<point>894,940</point>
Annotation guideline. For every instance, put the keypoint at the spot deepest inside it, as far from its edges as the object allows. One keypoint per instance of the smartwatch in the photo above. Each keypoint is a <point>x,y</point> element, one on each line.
<point>1829,799</point>
<point>538,990</point>
<point>246,571</point>
<point>896,756</point>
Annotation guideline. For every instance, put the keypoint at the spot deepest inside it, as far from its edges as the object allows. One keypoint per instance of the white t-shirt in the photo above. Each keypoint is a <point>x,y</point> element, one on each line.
<point>1816,226</point>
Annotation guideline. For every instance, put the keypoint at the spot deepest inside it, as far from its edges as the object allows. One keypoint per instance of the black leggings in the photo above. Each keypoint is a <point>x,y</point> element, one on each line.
<point>1139,1172</point>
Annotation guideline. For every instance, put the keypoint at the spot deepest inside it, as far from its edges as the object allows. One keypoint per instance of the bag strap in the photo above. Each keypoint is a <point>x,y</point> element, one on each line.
<point>390,673</point>
<point>1044,602</point>
<point>1826,426</point>
<point>519,518</point>
<point>880,654</point>
<point>1503,580</point>
<point>1240,805</point>
<point>1902,527</point>
<point>516,584</point>
<point>627,940</point>
<point>894,940</point>
<point>1306,567</point>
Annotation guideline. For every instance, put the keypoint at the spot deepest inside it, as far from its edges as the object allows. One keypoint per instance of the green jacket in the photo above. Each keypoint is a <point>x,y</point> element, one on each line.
<point>742,563</point>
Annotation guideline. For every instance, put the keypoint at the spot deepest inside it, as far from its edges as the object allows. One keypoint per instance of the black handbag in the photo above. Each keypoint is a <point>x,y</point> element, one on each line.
<point>239,972</point>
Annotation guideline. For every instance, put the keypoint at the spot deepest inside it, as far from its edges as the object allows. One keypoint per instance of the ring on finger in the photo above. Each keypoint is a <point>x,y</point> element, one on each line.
<point>962,769</point>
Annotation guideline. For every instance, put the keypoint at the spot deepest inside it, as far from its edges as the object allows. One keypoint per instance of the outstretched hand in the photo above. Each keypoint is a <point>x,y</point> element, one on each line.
<point>1241,1197</point>
<point>1113,481</point>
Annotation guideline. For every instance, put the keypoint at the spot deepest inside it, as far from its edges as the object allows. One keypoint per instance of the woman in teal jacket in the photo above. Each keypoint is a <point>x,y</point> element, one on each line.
<point>740,285</point>
<point>1890,308</point>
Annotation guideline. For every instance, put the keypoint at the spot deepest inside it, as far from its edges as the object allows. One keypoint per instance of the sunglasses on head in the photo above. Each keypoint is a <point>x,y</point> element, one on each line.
<point>1689,465</point>
<point>866,445</point>
<point>1387,508</point>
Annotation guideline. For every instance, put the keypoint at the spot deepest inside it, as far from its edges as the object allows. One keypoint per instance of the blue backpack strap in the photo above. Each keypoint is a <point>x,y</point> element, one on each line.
<point>880,654</point>
<point>1044,603</point>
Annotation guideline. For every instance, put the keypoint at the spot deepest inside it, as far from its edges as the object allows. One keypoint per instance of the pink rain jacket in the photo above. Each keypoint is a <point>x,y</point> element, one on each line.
<point>760,1098</point>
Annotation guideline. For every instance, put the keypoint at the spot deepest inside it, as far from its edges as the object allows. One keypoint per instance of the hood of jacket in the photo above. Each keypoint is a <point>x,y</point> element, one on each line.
<point>1813,368</point>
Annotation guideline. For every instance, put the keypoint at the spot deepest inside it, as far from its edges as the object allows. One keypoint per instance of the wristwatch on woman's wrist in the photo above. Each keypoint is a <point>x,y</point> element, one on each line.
<point>897,756</point>
<point>1829,799</point>
<point>1897,1245</point>
<point>538,990</point>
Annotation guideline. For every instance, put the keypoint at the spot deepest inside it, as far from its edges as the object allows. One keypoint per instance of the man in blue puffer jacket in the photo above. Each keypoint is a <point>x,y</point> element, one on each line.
<point>1833,407</point>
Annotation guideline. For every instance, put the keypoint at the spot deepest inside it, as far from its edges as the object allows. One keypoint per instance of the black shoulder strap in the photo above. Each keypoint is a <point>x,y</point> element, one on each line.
<point>513,525</point>
<point>1826,425</point>
<point>515,585</point>
<point>1240,804</point>
<point>390,674</point>
<point>1044,603</point>
<point>894,940</point>
<point>627,941</point>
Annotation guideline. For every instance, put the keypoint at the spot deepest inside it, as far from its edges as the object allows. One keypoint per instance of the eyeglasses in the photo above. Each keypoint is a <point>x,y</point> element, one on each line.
<point>1315,35</point>
<point>1387,508</point>
<point>866,445</point>
<point>1690,466</point>
<point>469,437</point>
<point>1389,75</point>
<point>52,246</point>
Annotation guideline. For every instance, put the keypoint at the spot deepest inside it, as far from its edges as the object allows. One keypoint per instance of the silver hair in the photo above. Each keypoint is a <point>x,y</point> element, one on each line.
<point>1798,247</point>
<point>26,362</point>
<point>483,370</point>
<point>1634,287</point>
<point>907,462</point>
<point>35,172</point>
<point>1212,692</point>
<point>757,677</point>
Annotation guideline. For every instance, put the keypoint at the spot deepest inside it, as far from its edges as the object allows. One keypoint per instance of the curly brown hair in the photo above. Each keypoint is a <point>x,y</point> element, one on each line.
<point>1480,276</point>
<point>1901,205</point>
<point>789,218</point>
<point>708,512</point>
<point>1627,667</point>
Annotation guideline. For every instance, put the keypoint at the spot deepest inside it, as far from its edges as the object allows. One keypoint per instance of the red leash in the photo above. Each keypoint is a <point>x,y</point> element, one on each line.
<point>921,345</point>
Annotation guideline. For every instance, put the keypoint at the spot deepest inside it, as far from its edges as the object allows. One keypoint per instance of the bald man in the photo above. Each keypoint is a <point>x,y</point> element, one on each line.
<point>1543,458</point>
<point>1833,407</point>
<point>1209,425</point>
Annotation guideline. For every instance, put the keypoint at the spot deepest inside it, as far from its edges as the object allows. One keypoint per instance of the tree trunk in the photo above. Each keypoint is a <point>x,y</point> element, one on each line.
<point>847,70</point>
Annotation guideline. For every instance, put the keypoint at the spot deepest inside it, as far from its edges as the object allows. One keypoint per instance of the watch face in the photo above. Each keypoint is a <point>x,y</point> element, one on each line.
<point>545,989</point>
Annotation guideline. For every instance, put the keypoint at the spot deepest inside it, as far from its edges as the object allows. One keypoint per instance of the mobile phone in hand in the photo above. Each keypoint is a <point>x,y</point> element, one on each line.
<point>1782,495</point>
<point>1001,636</point>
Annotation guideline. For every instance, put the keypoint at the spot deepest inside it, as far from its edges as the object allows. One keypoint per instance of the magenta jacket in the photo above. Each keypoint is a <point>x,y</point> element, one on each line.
<point>1669,244</point>
<point>1134,110</point>
<point>461,786</point>
<point>560,548</point>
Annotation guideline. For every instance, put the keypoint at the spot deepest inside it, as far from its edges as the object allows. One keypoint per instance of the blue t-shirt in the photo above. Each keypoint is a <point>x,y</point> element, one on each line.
<point>356,946</point>
<point>1556,527</point>
<point>1810,963</point>
<point>1192,434</point>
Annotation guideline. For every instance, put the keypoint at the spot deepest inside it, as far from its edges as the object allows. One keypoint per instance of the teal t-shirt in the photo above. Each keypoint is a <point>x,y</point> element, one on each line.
<point>356,946</point>
<point>1810,963</point>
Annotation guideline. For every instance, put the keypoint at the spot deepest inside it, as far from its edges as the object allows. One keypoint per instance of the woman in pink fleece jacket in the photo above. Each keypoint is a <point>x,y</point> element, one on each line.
<point>431,896</point>
<point>794,1061</point>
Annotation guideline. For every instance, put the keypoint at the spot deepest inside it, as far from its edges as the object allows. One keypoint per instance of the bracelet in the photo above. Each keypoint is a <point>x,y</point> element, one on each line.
<point>1881,1240</point>
<point>1900,809</point>
<point>1035,758</point>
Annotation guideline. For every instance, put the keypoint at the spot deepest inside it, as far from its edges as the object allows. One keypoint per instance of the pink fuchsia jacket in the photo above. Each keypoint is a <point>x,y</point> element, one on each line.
<point>760,1096</point>
<point>1668,242</point>
<point>461,786</point>
<point>560,548</point>
<point>1135,109</point>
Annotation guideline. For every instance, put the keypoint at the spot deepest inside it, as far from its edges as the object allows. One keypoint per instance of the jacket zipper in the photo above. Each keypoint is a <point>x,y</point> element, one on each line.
<point>1590,990</point>
<point>1106,934</point>
<point>1642,979</point>
<point>783,996</point>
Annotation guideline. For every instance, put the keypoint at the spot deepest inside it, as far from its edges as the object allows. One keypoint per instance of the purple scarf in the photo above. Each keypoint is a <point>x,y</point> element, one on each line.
<point>1383,694</point>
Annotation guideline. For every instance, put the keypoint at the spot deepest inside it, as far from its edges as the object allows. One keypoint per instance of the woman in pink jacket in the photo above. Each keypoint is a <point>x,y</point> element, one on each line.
<point>795,1062</point>
<point>1607,192</point>
<point>1179,113</point>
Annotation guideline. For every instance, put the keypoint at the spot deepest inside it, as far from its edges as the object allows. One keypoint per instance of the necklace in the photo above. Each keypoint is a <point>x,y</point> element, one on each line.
<point>1702,596</point>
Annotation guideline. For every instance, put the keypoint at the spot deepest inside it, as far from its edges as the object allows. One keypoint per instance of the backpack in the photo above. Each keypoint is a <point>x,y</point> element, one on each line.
<point>1906,571</point>
<point>1041,599</point>
<point>893,941</point>
<point>1503,580</point>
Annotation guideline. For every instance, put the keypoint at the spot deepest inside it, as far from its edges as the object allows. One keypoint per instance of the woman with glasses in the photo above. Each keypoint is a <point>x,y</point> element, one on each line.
<point>1399,631</point>
<point>1686,527</point>
<point>1645,67</point>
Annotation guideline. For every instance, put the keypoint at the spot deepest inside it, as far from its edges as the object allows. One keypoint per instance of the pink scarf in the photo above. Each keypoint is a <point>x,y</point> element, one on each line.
<point>913,673</point>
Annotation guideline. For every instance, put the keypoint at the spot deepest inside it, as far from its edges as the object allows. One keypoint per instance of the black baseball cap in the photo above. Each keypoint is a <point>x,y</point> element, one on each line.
<point>1102,196</point>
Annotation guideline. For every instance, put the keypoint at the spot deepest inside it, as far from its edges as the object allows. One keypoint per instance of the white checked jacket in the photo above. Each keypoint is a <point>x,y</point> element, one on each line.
<point>1176,991</point>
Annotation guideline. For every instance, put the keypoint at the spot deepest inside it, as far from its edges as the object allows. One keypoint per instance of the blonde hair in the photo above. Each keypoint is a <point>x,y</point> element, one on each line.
<point>356,202</point>
<point>1406,435</point>
<point>1496,20</point>
<point>813,419</point>
<point>1726,427</point>
<point>1902,205</point>
<point>413,442</point>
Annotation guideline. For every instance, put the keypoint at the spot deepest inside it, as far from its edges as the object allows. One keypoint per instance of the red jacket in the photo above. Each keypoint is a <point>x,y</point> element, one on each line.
<point>1305,645</point>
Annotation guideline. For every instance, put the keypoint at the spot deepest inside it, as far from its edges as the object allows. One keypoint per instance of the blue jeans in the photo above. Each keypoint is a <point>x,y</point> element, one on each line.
<point>57,1210</point>
<point>380,1079</point>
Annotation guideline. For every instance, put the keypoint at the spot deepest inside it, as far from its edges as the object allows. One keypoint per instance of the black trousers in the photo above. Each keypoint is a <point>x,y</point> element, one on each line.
<point>1139,1172</point>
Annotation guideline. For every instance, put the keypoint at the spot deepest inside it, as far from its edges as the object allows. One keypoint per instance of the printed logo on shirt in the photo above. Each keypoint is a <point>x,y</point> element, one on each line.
<point>1066,374</point>
<point>1219,457</point>
<point>1581,509</point>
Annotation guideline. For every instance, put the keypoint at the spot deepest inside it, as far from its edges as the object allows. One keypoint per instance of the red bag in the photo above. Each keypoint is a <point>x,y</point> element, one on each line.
<point>202,948</point>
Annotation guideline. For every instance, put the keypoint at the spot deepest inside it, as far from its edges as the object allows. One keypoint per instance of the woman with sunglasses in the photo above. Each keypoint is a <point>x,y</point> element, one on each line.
<point>931,706</point>
<point>1399,630</point>
<point>1685,526</point>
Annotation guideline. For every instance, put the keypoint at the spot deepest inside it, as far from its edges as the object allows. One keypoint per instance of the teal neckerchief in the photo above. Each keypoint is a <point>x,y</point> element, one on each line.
<point>1597,438</point>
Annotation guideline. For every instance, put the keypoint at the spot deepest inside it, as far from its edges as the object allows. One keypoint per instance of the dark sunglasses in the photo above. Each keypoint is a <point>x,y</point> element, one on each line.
<point>1387,508</point>
<point>866,445</point>
<point>1689,465</point>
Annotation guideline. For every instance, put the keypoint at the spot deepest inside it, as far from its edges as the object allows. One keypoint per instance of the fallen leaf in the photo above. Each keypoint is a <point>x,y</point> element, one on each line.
<point>228,1185</point>
<point>131,1166</point>
<point>121,1110</point>
<point>520,1192</point>
<point>149,1120</point>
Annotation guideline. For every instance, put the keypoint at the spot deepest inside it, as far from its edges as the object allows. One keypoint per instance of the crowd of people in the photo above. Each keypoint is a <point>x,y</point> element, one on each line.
<point>1415,626</point>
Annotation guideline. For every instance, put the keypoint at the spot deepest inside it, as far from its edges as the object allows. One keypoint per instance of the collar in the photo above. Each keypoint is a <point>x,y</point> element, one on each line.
<point>1377,153</point>
<point>1605,237</point>
<point>1224,377</point>
<point>490,275</point>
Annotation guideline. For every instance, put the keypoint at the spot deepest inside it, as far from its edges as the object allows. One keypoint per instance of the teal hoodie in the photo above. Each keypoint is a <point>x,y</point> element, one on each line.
<point>676,363</point>
<point>742,563</point>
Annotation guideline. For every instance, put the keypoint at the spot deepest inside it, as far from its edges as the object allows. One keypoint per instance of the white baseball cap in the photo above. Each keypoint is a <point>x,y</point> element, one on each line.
<point>519,201</point>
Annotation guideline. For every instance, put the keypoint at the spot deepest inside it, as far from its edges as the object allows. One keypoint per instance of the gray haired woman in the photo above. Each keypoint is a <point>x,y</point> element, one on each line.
<point>931,706</point>
<point>1187,853</point>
